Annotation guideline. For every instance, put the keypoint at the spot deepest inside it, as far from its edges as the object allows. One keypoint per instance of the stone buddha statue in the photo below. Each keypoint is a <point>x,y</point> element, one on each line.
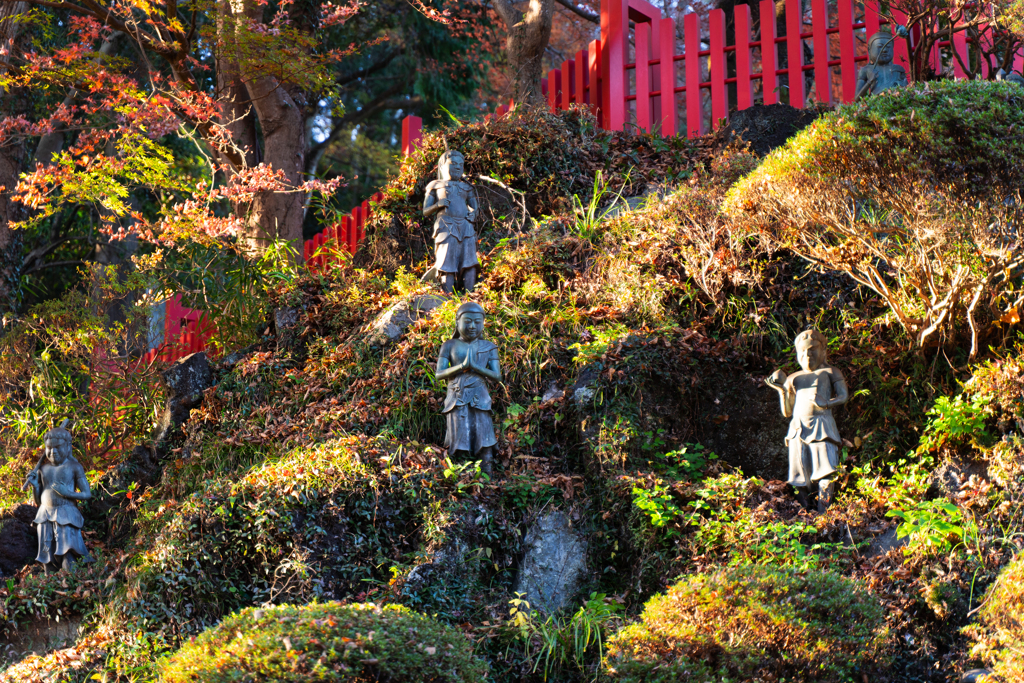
<point>880,73</point>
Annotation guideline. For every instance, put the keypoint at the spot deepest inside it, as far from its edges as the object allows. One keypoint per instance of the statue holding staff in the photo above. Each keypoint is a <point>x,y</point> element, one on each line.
<point>455,204</point>
<point>880,73</point>
<point>808,397</point>
<point>466,362</point>
<point>58,480</point>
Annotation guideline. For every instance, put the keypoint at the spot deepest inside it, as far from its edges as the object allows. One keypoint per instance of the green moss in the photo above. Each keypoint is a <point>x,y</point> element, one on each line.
<point>328,642</point>
<point>753,623</point>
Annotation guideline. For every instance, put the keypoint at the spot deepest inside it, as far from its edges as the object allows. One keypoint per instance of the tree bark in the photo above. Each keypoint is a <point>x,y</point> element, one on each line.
<point>527,38</point>
<point>281,113</point>
<point>237,112</point>
<point>10,168</point>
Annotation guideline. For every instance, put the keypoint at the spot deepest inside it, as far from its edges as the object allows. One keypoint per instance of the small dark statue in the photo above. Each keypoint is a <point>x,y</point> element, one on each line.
<point>454,203</point>
<point>467,360</point>
<point>57,481</point>
<point>808,397</point>
<point>880,73</point>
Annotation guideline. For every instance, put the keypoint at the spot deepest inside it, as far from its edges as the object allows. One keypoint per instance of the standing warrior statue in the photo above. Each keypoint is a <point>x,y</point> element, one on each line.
<point>466,362</point>
<point>455,204</point>
<point>57,481</point>
<point>880,73</point>
<point>807,397</point>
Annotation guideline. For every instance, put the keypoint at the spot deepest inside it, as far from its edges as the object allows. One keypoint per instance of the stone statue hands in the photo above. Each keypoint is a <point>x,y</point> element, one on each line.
<point>777,381</point>
<point>65,491</point>
<point>31,481</point>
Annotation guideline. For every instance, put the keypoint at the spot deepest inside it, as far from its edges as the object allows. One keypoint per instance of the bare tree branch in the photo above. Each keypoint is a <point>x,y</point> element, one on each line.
<point>568,4</point>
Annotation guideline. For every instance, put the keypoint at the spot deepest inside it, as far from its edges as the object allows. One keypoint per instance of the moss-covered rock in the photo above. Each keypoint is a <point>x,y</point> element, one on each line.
<point>753,623</point>
<point>329,642</point>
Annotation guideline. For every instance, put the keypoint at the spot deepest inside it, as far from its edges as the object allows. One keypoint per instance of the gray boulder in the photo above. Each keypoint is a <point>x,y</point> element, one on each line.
<point>392,323</point>
<point>185,382</point>
<point>555,563</point>
<point>18,542</point>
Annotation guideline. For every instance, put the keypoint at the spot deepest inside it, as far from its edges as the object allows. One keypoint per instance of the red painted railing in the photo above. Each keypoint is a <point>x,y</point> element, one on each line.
<point>625,82</point>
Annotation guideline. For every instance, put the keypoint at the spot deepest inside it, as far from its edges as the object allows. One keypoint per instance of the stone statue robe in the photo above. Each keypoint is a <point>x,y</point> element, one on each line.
<point>813,437</point>
<point>454,234</point>
<point>58,520</point>
<point>467,407</point>
<point>874,78</point>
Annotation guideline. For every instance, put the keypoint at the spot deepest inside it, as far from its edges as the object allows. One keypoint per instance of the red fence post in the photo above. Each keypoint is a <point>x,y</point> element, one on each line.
<point>364,216</point>
<point>412,131</point>
<point>872,22</point>
<point>642,43</point>
<point>356,215</point>
<point>847,50</point>
<point>822,74</point>
<point>719,97</point>
<point>579,82</point>
<point>614,25</point>
<point>554,88</point>
<point>694,110</point>
<point>795,53</point>
<point>667,75</point>
<point>568,81</point>
<point>769,68</point>
<point>349,235</point>
<point>744,87</point>
<point>595,86</point>
<point>959,47</point>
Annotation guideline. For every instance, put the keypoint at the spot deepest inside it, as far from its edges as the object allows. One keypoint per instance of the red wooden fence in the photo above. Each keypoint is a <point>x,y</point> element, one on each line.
<point>184,331</point>
<point>638,82</point>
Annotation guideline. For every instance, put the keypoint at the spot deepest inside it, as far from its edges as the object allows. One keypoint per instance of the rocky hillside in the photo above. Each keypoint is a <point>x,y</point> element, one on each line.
<point>305,523</point>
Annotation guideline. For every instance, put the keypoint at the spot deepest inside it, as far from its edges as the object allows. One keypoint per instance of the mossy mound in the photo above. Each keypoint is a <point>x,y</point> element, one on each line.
<point>753,623</point>
<point>960,135</point>
<point>328,642</point>
<point>1000,631</point>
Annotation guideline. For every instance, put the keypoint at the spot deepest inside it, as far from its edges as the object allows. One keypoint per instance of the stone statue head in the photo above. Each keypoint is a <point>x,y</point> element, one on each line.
<point>469,322</point>
<point>451,165</point>
<point>880,48</point>
<point>58,444</point>
<point>811,350</point>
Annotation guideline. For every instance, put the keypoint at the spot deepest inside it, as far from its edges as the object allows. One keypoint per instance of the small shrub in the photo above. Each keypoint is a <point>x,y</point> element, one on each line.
<point>555,643</point>
<point>67,358</point>
<point>955,420</point>
<point>362,642</point>
<point>753,623</point>
<point>933,527</point>
<point>999,633</point>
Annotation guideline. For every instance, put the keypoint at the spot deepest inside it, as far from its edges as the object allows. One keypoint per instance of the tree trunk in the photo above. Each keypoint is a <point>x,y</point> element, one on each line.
<point>527,38</point>
<point>237,112</point>
<point>10,168</point>
<point>273,215</point>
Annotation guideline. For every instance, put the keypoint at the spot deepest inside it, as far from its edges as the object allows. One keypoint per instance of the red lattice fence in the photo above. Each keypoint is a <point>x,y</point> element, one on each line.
<point>623,79</point>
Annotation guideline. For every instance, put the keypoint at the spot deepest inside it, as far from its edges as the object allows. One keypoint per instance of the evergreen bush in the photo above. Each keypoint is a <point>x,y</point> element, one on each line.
<point>326,642</point>
<point>915,194</point>
<point>753,623</point>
